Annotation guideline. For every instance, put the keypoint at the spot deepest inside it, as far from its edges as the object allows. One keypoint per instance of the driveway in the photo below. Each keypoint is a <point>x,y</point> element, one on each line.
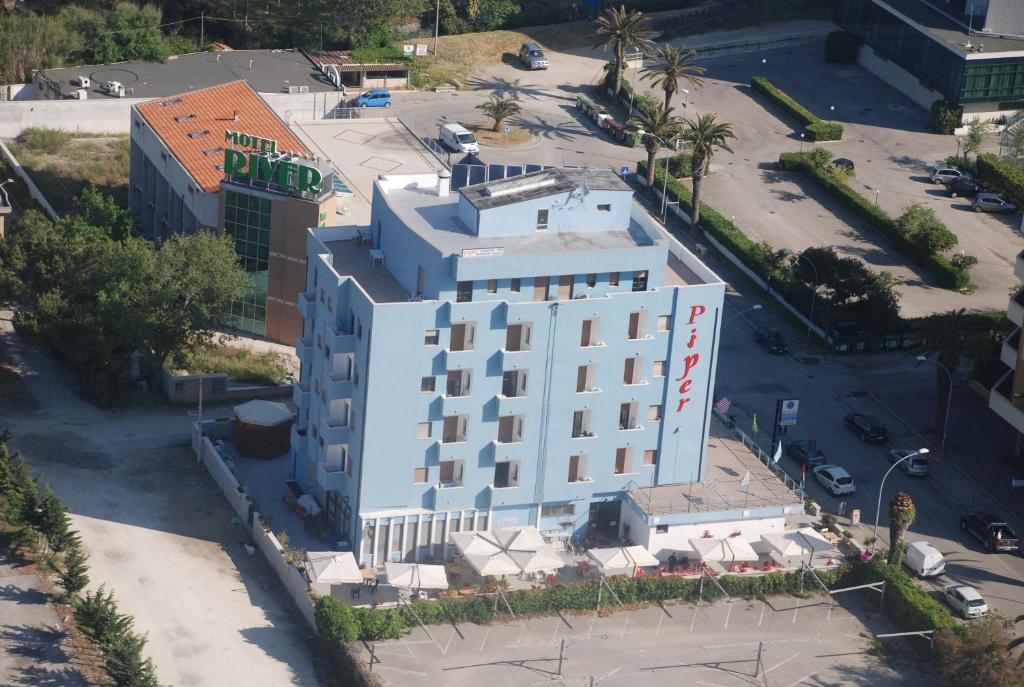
<point>161,536</point>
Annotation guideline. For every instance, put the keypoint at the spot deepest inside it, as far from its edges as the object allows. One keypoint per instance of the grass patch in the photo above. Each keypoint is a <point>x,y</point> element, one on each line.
<point>458,55</point>
<point>242,365</point>
<point>63,164</point>
<point>486,135</point>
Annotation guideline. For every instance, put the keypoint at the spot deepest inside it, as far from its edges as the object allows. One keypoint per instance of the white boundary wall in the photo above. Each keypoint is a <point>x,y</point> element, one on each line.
<point>32,188</point>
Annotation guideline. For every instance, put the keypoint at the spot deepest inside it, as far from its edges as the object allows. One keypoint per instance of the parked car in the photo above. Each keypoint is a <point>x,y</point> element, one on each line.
<point>923,559</point>
<point>459,138</point>
<point>942,174</point>
<point>844,164</point>
<point>835,479</point>
<point>918,466</point>
<point>805,452</point>
<point>532,55</point>
<point>771,340</point>
<point>991,529</point>
<point>377,97</point>
<point>965,600</point>
<point>866,426</point>
<point>992,202</point>
<point>963,186</point>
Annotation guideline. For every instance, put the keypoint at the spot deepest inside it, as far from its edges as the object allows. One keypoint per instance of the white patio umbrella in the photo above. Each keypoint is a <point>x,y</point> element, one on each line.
<point>508,551</point>
<point>519,538</point>
<point>496,564</point>
<point>797,543</point>
<point>540,560</point>
<point>711,550</point>
<point>740,549</point>
<point>333,567</point>
<point>622,558</point>
<point>416,575</point>
<point>475,543</point>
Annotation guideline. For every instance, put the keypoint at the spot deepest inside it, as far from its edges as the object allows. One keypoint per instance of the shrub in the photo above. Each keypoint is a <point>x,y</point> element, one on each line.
<point>814,128</point>
<point>906,602</point>
<point>944,117</point>
<point>1002,177</point>
<point>925,233</point>
<point>49,141</point>
<point>841,47</point>
<point>335,621</point>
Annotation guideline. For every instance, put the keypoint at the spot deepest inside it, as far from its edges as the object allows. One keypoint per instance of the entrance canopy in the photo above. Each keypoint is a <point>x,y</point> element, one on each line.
<point>333,567</point>
<point>416,575</point>
<point>622,559</point>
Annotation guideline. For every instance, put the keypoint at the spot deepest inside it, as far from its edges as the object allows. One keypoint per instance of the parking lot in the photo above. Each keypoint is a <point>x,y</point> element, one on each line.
<point>783,641</point>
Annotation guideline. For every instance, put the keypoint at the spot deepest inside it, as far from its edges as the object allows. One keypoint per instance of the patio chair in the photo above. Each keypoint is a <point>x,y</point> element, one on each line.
<point>356,591</point>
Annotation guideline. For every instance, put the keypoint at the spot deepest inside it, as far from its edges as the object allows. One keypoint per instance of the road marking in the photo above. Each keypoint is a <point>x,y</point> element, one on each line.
<point>444,651</point>
<point>761,618</point>
<point>661,619</point>
<point>486,634</point>
<point>796,609</point>
<point>401,670</point>
<point>695,612</point>
<point>804,678</point>
<point>780,663</point>
<point>522,631</point>
<point>728,613</point>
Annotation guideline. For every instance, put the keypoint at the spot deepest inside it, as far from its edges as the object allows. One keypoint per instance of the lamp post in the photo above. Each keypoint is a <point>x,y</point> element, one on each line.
<point>814,291</point>
<point>3,197</point>
<point>664,186</point>
<point>686,98</point>
<point>878,508</point>
<point>949,399</point>
<point>735,315</point>
<point>801,143</point>
<point>832,113</point>
<point>437,25</point>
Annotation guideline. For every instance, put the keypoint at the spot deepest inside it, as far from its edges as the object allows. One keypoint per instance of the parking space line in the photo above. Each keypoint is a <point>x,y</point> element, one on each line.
<point>444,651</point>
<point>780,663</point>
<point>522,631</point>
<point>796,609</point>
<point>661,619</point>
<point>401,670</point>
<point>808,675</point>
<point>728,614</point>
<point>761,618</point>
<point>696,610</point>
<point>487,633</point>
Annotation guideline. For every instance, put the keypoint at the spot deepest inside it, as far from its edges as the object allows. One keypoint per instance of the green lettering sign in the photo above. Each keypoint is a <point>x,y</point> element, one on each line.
<point>234,162</point>
<point>257,167</point>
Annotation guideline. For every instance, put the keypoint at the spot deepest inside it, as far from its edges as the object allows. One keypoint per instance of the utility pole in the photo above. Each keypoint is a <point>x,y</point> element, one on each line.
<point>437,25</point>
<point>202,29</point>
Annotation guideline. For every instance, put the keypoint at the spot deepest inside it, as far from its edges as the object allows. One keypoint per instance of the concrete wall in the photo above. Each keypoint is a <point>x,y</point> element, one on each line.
<point>33,190</point>
<point>221,473</point>
<point>294,581</point>
<point>90,116</point>
<point>677,538</point>
<point>897,77</point>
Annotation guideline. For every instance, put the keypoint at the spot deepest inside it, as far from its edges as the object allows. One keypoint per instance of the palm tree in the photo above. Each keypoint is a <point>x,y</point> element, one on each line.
<point>621,30</point>
<point>674,64</point>
<point>499,108</point>
<point>662,125</point>
<point>705,135</point>
<point>901,515</point>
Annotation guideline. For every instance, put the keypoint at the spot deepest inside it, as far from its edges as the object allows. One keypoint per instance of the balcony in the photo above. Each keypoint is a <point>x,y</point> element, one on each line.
<point>457,405</point>
<point>330,477</point>
<point>1015,310</point>
<point>300,396</point>
<point>1018,267</point>
<point>307,304</point>
<point>304,347</point>
<point>504,496</point>
<point>511,405</point>
<point>1009,352</point>
<point>1002,402</point>
<point>334,431</point>
<point>338,386</point>
<point>509,360</point>
<point>342,341</point>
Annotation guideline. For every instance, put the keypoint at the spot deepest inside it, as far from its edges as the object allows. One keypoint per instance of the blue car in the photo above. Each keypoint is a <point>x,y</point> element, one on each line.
<point>378,97</point>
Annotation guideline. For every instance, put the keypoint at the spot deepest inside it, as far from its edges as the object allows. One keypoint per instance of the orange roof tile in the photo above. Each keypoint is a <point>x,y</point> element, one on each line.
<point>213,111</point>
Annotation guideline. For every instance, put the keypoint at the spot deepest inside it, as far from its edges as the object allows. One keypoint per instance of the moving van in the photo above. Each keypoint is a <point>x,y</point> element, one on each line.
<point>923,559</point>
<point>459,138</point>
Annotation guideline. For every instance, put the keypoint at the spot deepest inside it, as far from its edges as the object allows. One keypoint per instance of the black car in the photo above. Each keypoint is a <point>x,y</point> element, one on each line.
<point>866,426</point>
<point>992,530</point>
<point>805,452</point>
<point>771,340</point>
<point>963,186</point>
<point>844,164</point>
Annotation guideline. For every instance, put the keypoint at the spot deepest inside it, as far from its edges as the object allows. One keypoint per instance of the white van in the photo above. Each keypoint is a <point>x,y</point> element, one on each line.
<point>459,138</point>
<point>924,560</point>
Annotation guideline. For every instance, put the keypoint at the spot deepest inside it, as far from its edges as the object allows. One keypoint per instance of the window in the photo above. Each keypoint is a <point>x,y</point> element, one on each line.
<point>506,474</point>
<point>424,430</point>
<point>420,475</point>
<point>492,286</point>
<point>651,457</point>
<point>627,415</point>
<point>604,207</point>
<point>517,337</point>
<point>565,287</point>
<point>451,473</point>
<point>640,280</point>
<point>581,425</point>
<point>456,428</point>
<point>631,371</point>
<point>659,368</point>
<point>637,325</point>
<point>431,338</point>
<point>613,279</point>
<point>513,383</point>
<point>585,378</point>
<point>458,383</point>
<point>427,384</point>
<point>623,461</point>
<point>464,292</point>
<point>247,222</point>
<point>578,468</point>
<point>515,285</point>
<point>463,336</point>
<point>542,220</point>
<point>661,529</point>
<point>588,335</point>
<point>591,280</point>
<point>540,288</point>
<point>664,323</point>
<point>654,413</point>
<point>510,429</point>
<point>557,509</point>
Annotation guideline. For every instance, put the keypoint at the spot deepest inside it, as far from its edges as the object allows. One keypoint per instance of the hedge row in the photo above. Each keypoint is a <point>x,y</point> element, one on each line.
<point>907,603</point>
<point>1002,177</point>
<point>642,103</point>
<point>950,277</point>
<point>814,129</point>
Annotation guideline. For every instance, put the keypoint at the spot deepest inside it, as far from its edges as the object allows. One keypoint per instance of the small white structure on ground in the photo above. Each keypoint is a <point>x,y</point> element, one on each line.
<point>416,575</point>
<point>326,568</point>
<point>622,560</point>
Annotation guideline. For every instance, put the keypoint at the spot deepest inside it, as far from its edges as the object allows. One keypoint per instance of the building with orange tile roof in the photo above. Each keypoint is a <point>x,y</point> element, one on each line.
<point>220,158</point>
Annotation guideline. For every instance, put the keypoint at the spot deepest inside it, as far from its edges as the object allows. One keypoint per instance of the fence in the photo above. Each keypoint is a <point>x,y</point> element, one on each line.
<point>755,448</point>
<point>293,580</point>
<point>443,155</point>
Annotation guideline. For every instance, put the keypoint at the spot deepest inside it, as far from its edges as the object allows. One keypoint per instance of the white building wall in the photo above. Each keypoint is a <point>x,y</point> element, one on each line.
<point>677,539</point>
<point>897,77</point>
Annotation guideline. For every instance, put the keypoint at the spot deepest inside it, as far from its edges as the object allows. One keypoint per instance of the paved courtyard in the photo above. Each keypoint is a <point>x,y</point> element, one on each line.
<point>783,641</point>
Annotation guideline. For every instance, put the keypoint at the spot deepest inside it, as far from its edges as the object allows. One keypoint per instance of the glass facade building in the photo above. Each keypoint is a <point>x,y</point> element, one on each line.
<point>247,221</point>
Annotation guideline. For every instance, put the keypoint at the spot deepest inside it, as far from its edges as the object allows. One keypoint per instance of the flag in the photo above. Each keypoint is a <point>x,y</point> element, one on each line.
<point>753,425</point>
<point>778,453</point>
<point>723,405</point>
<point>745,482</point>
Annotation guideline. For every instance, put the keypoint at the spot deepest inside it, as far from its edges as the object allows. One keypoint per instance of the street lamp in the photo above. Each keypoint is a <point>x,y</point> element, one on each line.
<point>6,200</point>
<point>949,398</point>
<point>735,315</point>
<point>686,98</point>
<point>832,113</point>
<point>801,143</point>
<point>814,290</point>
<point>878,508</point>
<point>664,186</point>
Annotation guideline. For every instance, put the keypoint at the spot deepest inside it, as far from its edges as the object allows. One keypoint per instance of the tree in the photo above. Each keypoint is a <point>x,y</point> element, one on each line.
<point>335,621</point>
<point>367,20</point>
<point>977,654</point>
<point>976,130</point>
<point>125,664</point>
<point>847,289</point>
<point>54,523</point>
<point>622,30</point>
<point>29,42</point>
<point>466,16</point>
<point>673,65</point>
<point>499,108</point>
<point>662,130</point>
<point>901,516</point>
<point>75,574</point>
<point>23,494</point>
<point>704,134</point>
<point>926,232</point>
<point>96,210</point>
<point>6,476</point>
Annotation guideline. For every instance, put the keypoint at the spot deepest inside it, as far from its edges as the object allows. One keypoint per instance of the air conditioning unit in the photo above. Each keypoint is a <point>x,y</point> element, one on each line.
<point>303,89</point>
<point>81,81</point>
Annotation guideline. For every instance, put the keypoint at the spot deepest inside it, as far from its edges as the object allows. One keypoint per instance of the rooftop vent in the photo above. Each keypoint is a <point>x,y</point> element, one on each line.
<point>504,188</point>
<point>199,134</point>
<point>172,101</point>
<point>184,118</point>
<point>213,151</point>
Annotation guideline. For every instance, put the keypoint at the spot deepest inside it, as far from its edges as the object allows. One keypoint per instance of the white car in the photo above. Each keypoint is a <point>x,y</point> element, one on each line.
<point>965,600</point>
<point>835,479</point>
<point>917,466</point>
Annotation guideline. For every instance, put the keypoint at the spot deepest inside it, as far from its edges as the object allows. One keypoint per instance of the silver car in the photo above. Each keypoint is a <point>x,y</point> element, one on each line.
<point>917,466</point>
<point>532,55</point>
<point>991,202</point>
<point>943,174</point>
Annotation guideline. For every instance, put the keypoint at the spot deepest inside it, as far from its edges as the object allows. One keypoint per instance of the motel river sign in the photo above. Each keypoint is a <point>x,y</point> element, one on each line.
<point>259,160</point>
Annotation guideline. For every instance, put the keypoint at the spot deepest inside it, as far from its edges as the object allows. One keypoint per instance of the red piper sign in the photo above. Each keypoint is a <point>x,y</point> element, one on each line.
<point>690,360</point>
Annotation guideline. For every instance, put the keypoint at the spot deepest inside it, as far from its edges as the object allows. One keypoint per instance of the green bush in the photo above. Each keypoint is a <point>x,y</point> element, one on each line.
<point>950,276</point>
<point>41,140</point>
<point>906,602</point>
<point>841,47</point>
<point>814,128</point>
<point>1002,177</point>
<point>335,621</point>
<point>944,117</point>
